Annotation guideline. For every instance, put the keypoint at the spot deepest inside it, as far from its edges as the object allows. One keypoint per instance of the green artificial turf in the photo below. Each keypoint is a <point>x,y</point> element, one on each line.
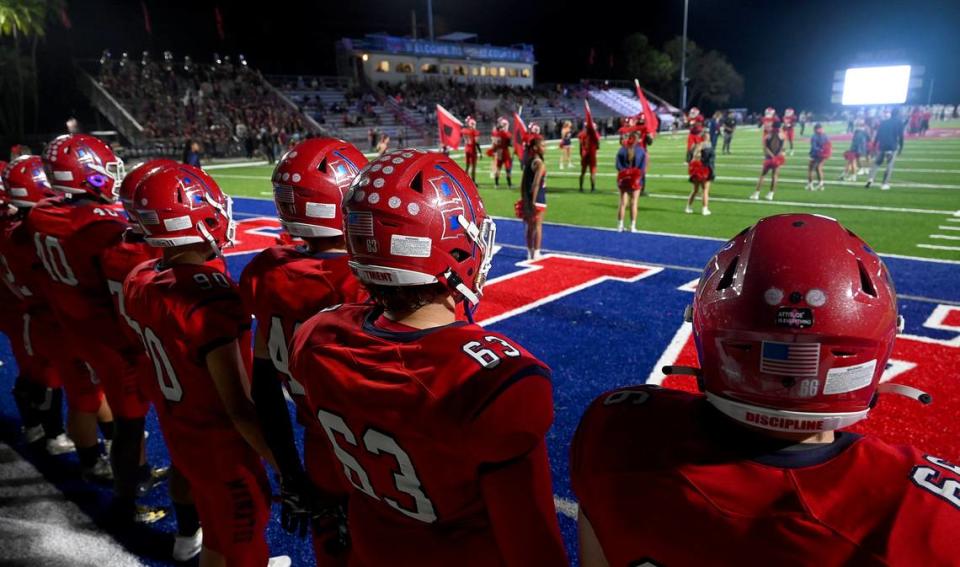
<point>904,220</point>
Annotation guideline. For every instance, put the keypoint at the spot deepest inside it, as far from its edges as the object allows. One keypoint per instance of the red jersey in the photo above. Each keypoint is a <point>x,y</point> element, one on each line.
<point>698,489</point>
<point>589,142</point>
<point>19,265</point>
<point>436,408</point>
<point>282,287</point>
<point>504,145</point>
<point>183,312</point>
<point>118,261</point>
<point>470,136</point>
<point>69,237</point>
<point>767,122</point>
<point>789,122</point>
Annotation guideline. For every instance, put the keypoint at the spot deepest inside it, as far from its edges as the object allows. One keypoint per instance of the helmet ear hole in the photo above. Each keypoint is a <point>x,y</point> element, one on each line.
<point>459,255</point>
<point>727,279</point>
<point>866,284</point>
<point>417,183</point>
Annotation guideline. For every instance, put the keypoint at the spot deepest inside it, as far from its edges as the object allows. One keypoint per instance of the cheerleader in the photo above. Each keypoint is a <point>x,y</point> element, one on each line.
<point>566,142</point>
<point>700,166</point>
<point>471,146</point>
<point>857,151</point>
<point>773,143</point>
<point>533,195</point>
<point>631,166</point>
<point>820,151</point>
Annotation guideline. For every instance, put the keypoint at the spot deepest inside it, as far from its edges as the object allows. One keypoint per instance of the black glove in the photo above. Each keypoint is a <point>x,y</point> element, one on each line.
<point>294,509</point>
<point>332,518</point>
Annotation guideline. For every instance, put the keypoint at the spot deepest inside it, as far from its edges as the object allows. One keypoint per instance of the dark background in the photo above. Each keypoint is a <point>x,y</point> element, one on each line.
<point>786,51</point>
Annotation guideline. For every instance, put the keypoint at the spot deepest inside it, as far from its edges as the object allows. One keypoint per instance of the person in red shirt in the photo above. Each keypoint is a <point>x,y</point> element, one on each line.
<point>788,124</point>
<point>445,458</point>
<point>758,470</point>
<point>70,234</point>
<point>117,262</point>
<point>503,151</point>
<point>192,322</point>
<point>282,287</point>
<point>589,144</point>
<point>769,119</point>
<point>24,315</point>
<point>694,123</point>
<point>471,146</point>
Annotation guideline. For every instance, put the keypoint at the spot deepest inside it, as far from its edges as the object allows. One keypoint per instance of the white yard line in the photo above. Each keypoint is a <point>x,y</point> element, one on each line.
<point>938,247</point>
<point>812,205</point>
<point>795,181</point>
<point>944,237</point>
<point>942,227</point>
<point>232,165</point>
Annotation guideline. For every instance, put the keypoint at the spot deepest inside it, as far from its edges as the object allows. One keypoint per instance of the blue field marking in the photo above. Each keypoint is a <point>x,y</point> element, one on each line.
<point>602,337</point>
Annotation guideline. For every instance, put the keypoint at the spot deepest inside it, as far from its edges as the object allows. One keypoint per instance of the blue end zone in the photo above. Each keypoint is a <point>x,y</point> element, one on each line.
<point>602,337</point>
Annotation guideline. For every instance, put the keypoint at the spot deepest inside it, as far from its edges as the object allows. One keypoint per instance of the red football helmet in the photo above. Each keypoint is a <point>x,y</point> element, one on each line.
<point>3,197</point>
<point>503,123</point>
<point>415,218</point>
<point>24,182</point>
<point>181,205</point>
<point>133,178</point>
<point>309,183</point>
<point>694,113</point>
<point>78,164</point>
<point>471,122</point>
<point>533,129</point>
<point>788,112</point>
<point>769,112</point>
<point>794,320</point>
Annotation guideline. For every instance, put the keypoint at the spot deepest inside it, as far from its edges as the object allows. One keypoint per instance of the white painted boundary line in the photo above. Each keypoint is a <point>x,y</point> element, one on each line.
<point>942,227</point>
<point>944,237</point>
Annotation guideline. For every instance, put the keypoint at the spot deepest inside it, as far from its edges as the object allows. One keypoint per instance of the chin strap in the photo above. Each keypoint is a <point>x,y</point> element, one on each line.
<point>906,391</point>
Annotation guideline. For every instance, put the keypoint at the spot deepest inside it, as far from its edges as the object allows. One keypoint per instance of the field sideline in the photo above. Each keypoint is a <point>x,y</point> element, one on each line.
<point>919,217</point>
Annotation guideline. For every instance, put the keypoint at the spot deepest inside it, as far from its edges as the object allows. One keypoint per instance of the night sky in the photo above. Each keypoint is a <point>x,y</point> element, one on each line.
<point>787,51</point>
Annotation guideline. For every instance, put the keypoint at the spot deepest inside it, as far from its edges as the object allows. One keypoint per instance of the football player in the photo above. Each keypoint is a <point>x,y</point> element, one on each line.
<point>589,144</point>
<point>70,234</point>
<point>437,425</point>
<point>769,118</point>
<point>117,262</point>
<point>694,122</point>
<point>757,470</point>
<point>191,320</point>
<point>503,151</point>
<point>471,146</point>
<point>37,389</point>
<point>282,287</point>
<point>788,124</point>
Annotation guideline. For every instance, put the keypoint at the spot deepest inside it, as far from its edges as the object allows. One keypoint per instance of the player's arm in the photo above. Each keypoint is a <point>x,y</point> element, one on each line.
<point>515,481</point>
<point>591,554</point>
<point>271,408</point>
<point>537,177</point>
<point>225,365</point>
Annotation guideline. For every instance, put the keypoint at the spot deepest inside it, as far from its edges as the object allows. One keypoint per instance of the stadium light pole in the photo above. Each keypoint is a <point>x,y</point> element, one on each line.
<point>683,59</point>
<point>430,19</point>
